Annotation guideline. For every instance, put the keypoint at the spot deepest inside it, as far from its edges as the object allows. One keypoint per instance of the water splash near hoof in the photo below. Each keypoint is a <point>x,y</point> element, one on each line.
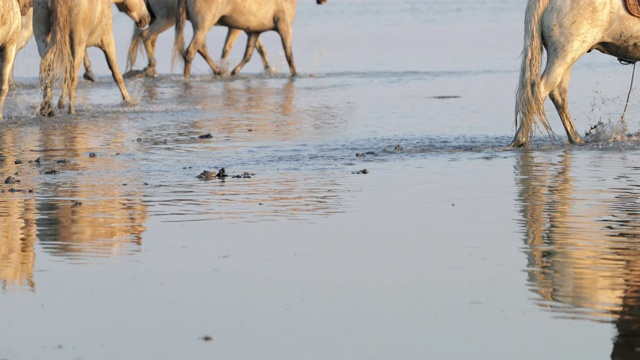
<point>606,132</point>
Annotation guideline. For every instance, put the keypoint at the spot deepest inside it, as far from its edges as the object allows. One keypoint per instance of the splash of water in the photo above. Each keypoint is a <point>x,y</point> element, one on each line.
<point>606,132</point>
<point>135,89</point>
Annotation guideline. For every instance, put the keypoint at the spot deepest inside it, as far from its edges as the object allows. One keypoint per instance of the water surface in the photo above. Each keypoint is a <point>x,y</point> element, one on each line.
<point>449,246</point>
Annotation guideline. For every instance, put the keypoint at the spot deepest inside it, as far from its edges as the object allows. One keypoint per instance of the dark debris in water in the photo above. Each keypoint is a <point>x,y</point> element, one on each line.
<point>52,172</point>
<point>222,174</point>
<point>206,136</point>
<point>359,172</point>
<point>11,180</point>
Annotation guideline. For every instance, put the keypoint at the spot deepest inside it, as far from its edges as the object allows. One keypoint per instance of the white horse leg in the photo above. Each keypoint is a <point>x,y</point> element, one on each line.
<point>8,56</point>
<point>109,49</point>
<point>555,84</point>
<point>263,54</point>
<point>559,97</point>
<point>202,50</point>
<point>150,38</point>
<point>79,54</point>
<point>46,82</point>
<point>286,34</point>
<point>251,44</point>
<point>88,73</point>
<point>232,36</point>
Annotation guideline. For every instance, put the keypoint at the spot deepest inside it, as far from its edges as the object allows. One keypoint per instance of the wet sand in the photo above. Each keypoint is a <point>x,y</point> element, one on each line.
<point>449,246</point>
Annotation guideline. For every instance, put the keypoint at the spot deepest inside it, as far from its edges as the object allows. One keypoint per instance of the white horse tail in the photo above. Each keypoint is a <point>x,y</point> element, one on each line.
<point>529,100</point>
<point>136,41</point>
<point>58,60</point>
<point>178,45</point>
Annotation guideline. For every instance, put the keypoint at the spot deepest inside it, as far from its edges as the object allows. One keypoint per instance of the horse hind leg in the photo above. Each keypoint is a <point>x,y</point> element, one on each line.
<point>46,82</point>
<point>559,96</point>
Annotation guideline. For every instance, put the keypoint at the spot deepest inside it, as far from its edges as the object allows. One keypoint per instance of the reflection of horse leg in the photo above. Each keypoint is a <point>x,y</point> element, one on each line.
<point>559,97</point>
<point>251,44</point>
<point>286,34</point>
<point>109,48</point>
<point>8,56</point>
<point>88,73</point>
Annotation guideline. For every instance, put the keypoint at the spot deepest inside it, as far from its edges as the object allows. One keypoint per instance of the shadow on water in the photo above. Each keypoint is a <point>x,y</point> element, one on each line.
<point>581,237</point>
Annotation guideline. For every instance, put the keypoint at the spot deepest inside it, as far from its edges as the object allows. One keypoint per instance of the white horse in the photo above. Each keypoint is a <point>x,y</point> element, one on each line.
<point>11,12</point>
<point>567,30</point>
<point>252,16</point>
<point>65,28</point>
<point>165,17</point>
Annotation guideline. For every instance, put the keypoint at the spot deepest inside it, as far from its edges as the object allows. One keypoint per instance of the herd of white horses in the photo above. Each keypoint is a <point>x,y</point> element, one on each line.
<point>63,29</point>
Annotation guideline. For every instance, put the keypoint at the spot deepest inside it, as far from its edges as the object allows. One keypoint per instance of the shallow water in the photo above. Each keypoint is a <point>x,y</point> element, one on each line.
<point>450,246</point>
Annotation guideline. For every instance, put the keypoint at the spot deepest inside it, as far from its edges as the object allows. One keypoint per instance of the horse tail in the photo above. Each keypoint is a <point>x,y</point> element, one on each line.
<point>58,60</point>
<point>178,45</point>
<point>529,102</point>
<point>136,41</point>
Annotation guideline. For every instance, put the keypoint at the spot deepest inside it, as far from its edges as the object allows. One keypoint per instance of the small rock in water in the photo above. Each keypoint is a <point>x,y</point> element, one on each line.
<point>52,172</point>
<point>63,161</point>
<point>11,180</point>
<point>207,175</point>
<point>206,136</point>
<point>92,155</point>
<point>363,171</point>
<point>222,173</point>
<point>18,162</point>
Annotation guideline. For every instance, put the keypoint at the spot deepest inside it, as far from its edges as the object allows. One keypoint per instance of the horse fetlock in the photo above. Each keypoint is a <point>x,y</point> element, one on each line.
<point>46,109</point>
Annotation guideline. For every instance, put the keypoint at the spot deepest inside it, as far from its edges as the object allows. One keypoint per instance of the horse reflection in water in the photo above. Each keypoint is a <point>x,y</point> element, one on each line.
<point>76,214</point>
<point>581,244</point>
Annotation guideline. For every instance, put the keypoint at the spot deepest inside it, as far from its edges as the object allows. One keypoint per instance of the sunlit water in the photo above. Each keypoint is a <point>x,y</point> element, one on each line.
<point>448,246</point>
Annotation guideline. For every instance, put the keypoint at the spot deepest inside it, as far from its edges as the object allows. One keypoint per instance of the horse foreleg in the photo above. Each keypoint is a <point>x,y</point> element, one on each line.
<point>286,34</point>
<point>251,44</point>
<point>8,54</point>
<point>150,48</point>
<point>202,50</point>
<point>88,73</point>
<point>78,58</point>
<point>150,38</point>
<point>559,96</point>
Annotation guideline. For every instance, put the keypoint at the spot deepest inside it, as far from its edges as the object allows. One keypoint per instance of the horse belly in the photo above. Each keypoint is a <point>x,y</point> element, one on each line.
<point>248,23</point>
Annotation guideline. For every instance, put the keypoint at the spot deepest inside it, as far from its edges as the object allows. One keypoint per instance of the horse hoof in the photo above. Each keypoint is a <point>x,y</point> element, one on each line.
<point>46,110</point>
<point>89,77</point>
